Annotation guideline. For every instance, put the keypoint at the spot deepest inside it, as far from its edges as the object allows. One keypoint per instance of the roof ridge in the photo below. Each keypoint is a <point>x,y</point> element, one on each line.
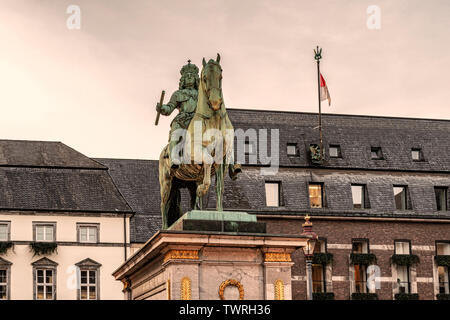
<point>337,114</point>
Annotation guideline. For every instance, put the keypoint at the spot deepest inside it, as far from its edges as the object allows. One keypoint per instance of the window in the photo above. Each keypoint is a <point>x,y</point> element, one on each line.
<point>359,196</point>
<point>403,282</point>
<point>272,194</point>
<point>416,154</point>
<point>318,278</point>
<point>400,197</point>
<point>318,270</point>
<point>442,248</point>
<point>320,246</point>
<point>44,284</point>
<point>88,233</point>
<point>375,153</point>
<point>443,276</point>
<point>360,278</point>
<point>3,284</point>
<point>44,279</point>
<point>441,198</point>
<point>5,275</point>
<point>4,231</point>
<point>335,151</point>
<point>249,148</point>
<point>88,285</point>
<point>316,195</point>
<point>291,149</point>
<point>360,246</point>
<point>402,247</point>
<point>89,273</point>
<point>44,231</point>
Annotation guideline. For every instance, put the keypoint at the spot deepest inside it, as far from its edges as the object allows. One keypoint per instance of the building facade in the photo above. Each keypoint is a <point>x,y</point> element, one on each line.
<point>379,200</point>
<point>64,226</point>
<point>379,203</point>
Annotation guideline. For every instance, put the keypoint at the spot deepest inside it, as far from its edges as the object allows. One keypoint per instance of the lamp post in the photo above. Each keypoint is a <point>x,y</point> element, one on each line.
<point>308,251</point>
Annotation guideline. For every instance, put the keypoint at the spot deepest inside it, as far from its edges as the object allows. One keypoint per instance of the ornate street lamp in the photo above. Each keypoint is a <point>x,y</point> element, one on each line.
<point>308,251</point>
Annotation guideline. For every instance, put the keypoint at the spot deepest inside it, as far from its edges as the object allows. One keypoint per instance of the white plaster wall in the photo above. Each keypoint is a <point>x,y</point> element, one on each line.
<point>110,257</point>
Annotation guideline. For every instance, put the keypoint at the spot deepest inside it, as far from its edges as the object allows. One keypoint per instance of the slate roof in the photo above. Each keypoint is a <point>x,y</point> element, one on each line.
<point>50,176</point>
<point>138,182</point>
<point>355,135</point>
<point>138,179</point>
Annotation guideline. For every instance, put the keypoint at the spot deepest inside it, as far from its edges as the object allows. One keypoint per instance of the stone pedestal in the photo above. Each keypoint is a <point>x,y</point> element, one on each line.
<point>197,264</point>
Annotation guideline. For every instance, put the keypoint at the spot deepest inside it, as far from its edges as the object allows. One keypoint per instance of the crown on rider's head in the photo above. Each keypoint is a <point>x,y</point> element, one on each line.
<point>190,67</point>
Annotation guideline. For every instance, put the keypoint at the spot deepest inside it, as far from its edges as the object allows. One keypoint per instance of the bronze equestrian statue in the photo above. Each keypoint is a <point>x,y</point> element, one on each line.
<point>193,164</point>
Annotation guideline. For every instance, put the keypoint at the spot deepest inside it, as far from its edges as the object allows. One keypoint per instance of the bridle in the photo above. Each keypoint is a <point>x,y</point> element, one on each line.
<point>208,89</point>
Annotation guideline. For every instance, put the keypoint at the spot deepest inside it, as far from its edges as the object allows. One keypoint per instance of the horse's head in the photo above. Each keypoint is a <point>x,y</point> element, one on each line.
<point>211,78</point>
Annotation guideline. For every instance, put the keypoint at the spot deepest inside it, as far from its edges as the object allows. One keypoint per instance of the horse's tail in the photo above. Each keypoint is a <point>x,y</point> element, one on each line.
<point>165,183</point>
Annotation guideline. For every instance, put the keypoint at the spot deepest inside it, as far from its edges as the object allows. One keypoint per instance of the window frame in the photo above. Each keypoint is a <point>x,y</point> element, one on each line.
<point>406,192</point>
<point>89,285</point>
<point>378,151</point>
<point>81,225</point>
<point>447,242</point>
<point>8,230</point>
<point>365,204</point>
<point>292,144</point>
<point>338,148</point>
<point>36,224</point>
<point>366,240</point>
<point>445,190</point>
<point>279,193</point>
<point>419,150</point>
<point>88,265</point>
<point>408,278</point>
<point>322,194</point>
<point>6,265</point>
<point>248,143</point>
<point>402,240</point>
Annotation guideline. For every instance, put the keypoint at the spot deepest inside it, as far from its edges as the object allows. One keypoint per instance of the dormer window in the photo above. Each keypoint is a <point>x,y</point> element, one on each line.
<point>273,194</point>
<point>291,149</point>
<point>335,151</point>
<point>375,153</point>
<point>416,154</point>
<point>249,147</point>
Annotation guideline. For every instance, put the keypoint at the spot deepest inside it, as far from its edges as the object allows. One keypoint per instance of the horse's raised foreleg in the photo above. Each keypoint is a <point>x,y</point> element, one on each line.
<point>220,169</point>
<point>202,189</point>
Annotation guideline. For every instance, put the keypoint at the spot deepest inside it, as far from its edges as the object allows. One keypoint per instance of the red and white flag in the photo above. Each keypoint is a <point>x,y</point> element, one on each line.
<point>324,94</point>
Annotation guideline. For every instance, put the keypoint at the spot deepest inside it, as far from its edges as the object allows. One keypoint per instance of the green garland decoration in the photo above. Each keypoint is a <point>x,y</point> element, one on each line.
<point>322,258</point>
<point>443,260</point>
<point>363,258</point>
<point>43,248</point>
<point>405,259</point>
<point>323,296</point>
<point>364,296</point>
<point>4,246</point>
<point>443,296</point>
<point>407,296</point>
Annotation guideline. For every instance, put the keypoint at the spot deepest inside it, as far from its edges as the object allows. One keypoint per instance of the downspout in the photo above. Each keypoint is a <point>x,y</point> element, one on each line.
<point>125,236</point>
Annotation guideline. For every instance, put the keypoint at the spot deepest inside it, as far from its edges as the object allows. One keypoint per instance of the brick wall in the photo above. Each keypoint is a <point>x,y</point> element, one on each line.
<point>341,232</point>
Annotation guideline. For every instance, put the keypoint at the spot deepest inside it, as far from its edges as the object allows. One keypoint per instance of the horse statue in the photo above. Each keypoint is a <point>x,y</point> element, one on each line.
<point>207,150</point>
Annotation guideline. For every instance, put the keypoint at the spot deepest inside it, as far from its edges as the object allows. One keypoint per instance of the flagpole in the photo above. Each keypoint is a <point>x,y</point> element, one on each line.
<point>317,57</point>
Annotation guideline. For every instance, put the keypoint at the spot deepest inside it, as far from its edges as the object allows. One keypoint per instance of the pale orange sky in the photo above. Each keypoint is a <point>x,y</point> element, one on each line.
<point>95,89</point>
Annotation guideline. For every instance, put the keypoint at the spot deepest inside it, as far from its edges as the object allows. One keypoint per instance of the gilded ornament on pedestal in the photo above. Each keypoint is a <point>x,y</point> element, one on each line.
<point>277,257</point>
<point>181,254</point>
<point>231,282</point>
<point>186,289</point>
<point>279,290</point>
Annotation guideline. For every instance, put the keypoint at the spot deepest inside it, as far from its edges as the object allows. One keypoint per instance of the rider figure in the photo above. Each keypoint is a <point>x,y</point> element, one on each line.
<point>185,100</point>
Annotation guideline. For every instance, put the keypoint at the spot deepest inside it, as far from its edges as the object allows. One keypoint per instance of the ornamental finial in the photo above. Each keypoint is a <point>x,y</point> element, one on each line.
<point>318,53</point>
